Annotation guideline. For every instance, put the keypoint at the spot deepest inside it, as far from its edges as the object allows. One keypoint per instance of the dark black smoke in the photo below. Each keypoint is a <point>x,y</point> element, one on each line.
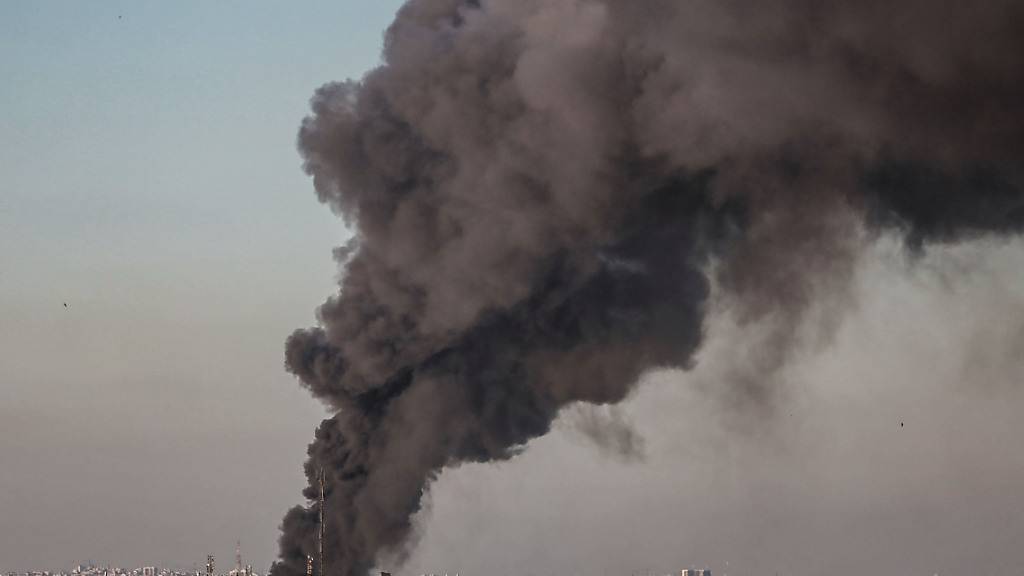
<point>539,189</point>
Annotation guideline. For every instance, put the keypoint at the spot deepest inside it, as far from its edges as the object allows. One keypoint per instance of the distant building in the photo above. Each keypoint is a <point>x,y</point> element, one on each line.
<point>692,572</point>
<point>149,571</point>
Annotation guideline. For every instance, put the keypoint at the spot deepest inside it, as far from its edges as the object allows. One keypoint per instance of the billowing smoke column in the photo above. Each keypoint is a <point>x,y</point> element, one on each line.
<point>539,189</point>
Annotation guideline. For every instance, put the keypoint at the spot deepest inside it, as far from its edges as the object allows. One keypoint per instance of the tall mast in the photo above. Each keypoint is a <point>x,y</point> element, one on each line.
<point>321,543</point>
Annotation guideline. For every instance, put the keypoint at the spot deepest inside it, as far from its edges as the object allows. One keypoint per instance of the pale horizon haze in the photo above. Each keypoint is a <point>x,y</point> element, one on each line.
<point>149,179</point>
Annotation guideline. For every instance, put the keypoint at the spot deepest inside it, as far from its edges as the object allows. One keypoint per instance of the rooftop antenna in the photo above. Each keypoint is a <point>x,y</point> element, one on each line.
<point>238,558</point>
<point>321,542</point>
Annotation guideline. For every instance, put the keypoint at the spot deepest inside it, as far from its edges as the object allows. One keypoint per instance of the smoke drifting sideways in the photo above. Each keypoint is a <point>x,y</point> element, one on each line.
<point>544,191</point>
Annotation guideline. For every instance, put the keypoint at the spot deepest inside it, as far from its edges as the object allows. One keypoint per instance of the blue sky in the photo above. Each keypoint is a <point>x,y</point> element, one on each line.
<point>146,134</point>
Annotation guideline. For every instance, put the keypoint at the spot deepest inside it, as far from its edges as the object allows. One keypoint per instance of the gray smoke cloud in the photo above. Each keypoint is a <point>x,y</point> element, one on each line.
<point>607,428</point>
<point>545,192</point>
<point>827,480</point>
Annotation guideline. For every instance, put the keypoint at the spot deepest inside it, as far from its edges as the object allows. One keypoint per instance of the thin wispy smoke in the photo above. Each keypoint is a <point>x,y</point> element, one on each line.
<point>607,428</point>
<point>539,188</point>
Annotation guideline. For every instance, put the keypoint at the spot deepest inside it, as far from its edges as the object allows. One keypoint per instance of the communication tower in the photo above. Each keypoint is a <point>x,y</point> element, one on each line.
<point>238,558</point>
<point>321,539</point>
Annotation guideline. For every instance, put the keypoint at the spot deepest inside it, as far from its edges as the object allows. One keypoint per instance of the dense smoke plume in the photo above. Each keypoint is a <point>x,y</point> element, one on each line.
<point>544,190</point>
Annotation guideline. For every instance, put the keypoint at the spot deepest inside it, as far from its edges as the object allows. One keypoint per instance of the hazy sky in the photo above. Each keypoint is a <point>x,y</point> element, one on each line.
<point>149,179</point>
